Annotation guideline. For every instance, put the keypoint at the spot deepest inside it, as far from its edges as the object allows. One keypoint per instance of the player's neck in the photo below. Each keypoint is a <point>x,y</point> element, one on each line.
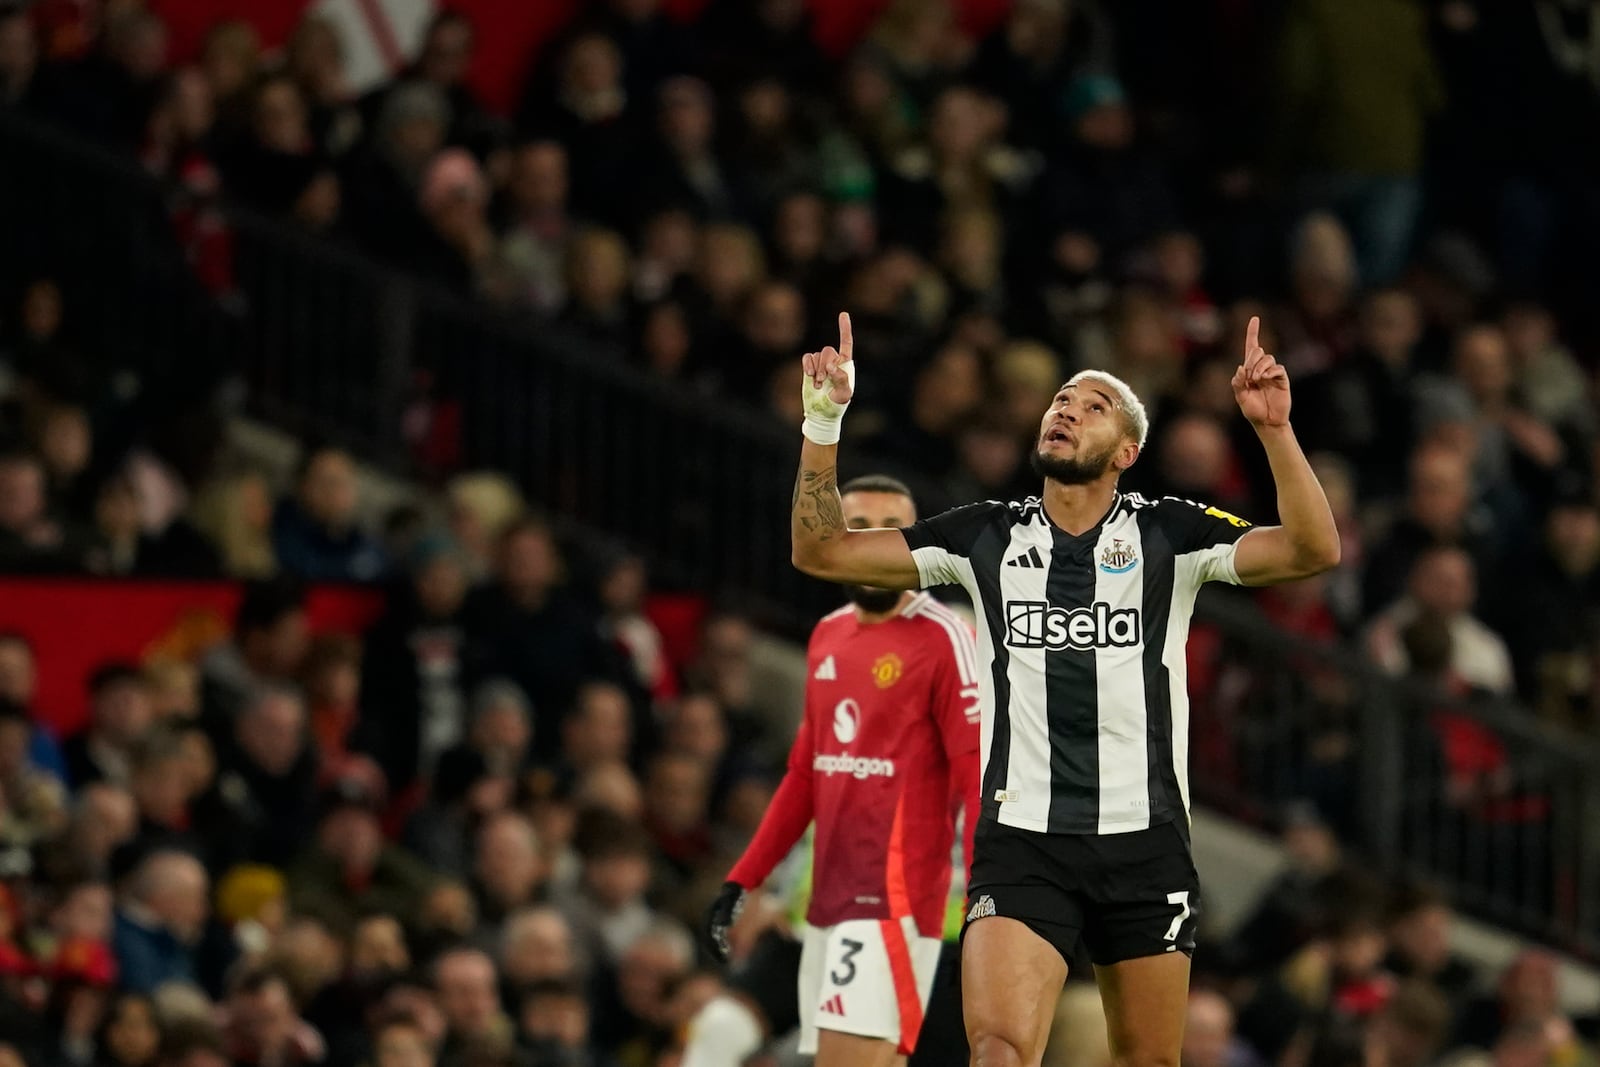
<point>868,618</point>
<point>1077,509</point>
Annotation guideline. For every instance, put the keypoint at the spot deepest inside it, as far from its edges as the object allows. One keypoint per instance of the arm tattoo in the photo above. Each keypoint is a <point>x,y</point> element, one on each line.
<point>824,515</point>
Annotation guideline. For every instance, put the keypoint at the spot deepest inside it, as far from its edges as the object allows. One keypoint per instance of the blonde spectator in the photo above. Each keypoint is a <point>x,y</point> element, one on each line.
<point>1027,375</point>
<point>729,266</point>
<point>236,515</point>
<point>598,277</point>
<point>174,686</point>
<point>482,506</point>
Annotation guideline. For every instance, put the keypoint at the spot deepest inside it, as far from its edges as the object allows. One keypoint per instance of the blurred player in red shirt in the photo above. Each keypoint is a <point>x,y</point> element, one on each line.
<point>885,761</point>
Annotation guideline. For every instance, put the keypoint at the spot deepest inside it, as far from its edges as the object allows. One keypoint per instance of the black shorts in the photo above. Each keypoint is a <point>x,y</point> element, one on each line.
<point>1127,895</point>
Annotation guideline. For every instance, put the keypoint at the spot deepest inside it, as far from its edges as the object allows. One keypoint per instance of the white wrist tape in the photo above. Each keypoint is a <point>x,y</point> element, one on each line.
<point>824,417</point>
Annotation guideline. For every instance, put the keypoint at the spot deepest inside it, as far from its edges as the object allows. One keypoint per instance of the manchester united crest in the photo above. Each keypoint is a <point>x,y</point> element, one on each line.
<point>887,670</point>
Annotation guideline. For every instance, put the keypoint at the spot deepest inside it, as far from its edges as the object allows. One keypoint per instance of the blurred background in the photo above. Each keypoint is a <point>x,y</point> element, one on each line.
<point>398,420</point>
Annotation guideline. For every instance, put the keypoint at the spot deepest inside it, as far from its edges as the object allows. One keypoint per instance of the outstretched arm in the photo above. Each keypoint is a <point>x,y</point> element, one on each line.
<point>821,545</point>
<point>1306,542</point>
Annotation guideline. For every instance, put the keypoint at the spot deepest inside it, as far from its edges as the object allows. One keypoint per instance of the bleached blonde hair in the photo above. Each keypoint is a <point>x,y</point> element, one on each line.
<point>1132,407</point>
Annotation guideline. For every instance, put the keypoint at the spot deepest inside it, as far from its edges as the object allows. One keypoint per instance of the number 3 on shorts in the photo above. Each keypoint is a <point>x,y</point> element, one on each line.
<point>847,961</point>
<point>1182,900</point>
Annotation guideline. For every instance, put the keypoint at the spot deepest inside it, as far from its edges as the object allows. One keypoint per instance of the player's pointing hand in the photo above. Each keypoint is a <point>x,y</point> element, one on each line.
<point>827,384</point>
<point>1261,385</point>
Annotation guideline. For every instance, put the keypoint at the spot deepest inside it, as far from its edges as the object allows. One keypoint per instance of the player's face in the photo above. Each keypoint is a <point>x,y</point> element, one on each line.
<point>876,511</point>
<point>1082,436</point>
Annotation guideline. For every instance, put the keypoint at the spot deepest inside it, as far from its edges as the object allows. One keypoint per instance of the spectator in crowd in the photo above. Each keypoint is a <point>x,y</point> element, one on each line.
<point>317,535</point>
<point>598,730</point>
<point>316,60</point>
<point>1439,511</point>
<point>1443,586</point>
<point>31,539</point>
<point>530,629</point>
<point>1421,931</point>
<point>235,514</point>
<point>160,920</point>
<point>482,506</point>
<point>267,788</point>
<point>609,911</point>
<point>538,947</point>
<point>539,227</point>
<point>553,1023</point>
<point>269,644</point>
<point>131,1035</point>
<point>120,712</point>
<point>1554,660</point>
<point>332,687</point>
<point>410,129</point>
<point>596,282</point>
<point>1360,152</point>
<point>469,995</point>
<point>278,164</point>
<point>415,669</point>
<point>1208,1037</point>
<point>509,870</point>
<point>1291,909</point>
<point>349,870</point>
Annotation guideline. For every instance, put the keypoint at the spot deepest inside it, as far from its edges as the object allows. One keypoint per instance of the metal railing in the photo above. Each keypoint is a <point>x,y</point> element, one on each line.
<point>328,342</point>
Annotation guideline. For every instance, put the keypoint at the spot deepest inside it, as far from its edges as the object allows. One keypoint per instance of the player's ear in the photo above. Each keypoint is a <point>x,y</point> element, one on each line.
<point>1126,455</point>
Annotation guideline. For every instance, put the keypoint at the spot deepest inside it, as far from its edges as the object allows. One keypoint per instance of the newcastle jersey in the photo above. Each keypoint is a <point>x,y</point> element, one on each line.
<point>1085,710</point>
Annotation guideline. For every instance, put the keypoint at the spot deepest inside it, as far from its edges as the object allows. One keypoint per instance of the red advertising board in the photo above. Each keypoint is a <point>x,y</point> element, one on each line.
<point>77,624</point>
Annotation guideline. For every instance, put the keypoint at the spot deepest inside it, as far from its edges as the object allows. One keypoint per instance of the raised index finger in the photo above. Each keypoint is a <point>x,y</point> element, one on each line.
<point>1251,335</point>
<point>847,343</point>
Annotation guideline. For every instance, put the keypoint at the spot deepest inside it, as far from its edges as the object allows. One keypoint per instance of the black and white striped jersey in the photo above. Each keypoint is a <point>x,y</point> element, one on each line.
<point>1081,653</point>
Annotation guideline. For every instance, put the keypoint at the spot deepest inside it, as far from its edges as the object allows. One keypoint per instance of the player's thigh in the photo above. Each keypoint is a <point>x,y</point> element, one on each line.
<point>1010,979</point>
<point>1140,933</point>
<point>1146,1001</point>
<point>837,1049</point>
<point>867,978</point>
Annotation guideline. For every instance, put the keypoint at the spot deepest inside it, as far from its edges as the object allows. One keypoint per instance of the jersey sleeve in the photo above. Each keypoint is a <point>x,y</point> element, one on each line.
<point>939,543</point>
<point>1207,534</point>
<point>955,706</point>
<point>786,818</point>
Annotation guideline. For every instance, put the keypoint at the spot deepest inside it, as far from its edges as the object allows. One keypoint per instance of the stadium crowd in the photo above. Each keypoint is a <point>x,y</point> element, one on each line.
<point>486,827</point>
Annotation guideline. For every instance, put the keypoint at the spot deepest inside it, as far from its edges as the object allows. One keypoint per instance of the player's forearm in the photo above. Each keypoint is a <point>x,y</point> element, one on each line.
<point>817,513</point>
<point>786,819</point>
<point>966,782</point>
<point>1303,509</point>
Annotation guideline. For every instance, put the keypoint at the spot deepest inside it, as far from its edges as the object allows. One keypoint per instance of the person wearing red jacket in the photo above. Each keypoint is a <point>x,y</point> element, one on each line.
<point>885,763</point>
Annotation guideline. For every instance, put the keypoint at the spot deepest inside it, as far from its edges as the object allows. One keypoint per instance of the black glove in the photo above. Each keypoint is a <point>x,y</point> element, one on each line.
<point>720,919</point>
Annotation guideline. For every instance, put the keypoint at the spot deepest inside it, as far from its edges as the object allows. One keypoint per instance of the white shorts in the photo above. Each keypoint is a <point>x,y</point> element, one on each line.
<point>868,977</point>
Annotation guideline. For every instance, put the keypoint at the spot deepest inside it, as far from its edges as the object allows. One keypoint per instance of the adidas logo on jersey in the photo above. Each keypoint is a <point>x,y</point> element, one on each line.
<point>826,671</point>
<point>1030,558</point>
<point>983,909</point>
<point>834,1005</point>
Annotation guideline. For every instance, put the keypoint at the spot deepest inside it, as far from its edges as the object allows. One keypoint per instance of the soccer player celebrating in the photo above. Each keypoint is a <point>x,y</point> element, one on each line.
<point>885,761</point>
<point>1084,595</point>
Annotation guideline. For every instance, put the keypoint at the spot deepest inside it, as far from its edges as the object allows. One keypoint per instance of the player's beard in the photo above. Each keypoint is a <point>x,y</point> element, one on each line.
<point>1071,470</point>
<point>872,601</point>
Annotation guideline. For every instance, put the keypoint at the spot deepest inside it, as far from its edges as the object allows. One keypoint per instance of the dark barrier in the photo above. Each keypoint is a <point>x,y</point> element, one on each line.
<point>327,342</point>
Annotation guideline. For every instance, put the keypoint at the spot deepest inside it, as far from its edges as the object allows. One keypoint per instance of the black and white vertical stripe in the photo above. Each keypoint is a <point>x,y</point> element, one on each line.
<point>1081,646</point>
